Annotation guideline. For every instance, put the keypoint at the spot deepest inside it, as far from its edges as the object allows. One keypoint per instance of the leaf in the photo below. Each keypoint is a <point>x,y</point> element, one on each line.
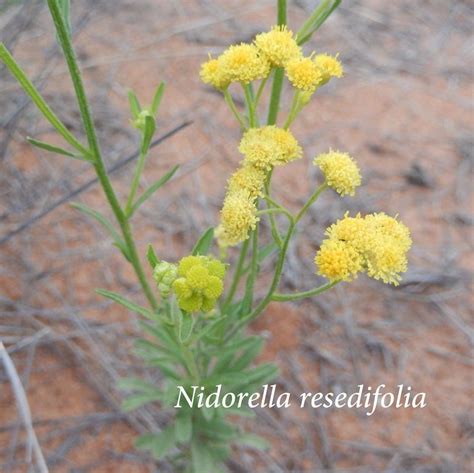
<point>56,149</point>
<point>266,251</point>
<point>155,105</point>
<point>207,328</point>
<point>254,441</point>
<point>183,426</point>
<point>258,376</point>
<point>135,107</point>
<point>65,8</point>
<point>106,224</point>
<point>160,333</point>
<point>138,400</point>
<point>316,19</point>
<point>163,443</point>
<point>203,244</point>
<point>125,302</point>
<point>208,412</point>
<point>135,384</point>
<point>202,460</point>
<point>148,132</point>
<point>151,256</point>
<point>248,355</point>
<point>38,100</point>
<point>186,324</point>
<point>152,189</point>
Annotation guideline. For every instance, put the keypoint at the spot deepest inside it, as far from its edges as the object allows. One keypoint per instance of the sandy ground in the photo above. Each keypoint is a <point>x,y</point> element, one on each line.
<point>403,109</point>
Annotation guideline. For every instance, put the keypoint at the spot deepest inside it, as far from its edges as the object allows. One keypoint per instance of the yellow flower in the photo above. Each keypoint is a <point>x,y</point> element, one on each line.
<point>199,284</point>
<point>247,178</point>
<point>329,66</point>
<point>340,170</point>
<point>213,73</point>
<point>244,63</point>
<point>380,241</point>
<point>278,46</point>
<point>303,74</point>
<point>238,217</point>
<point>269,146</point>
<point>338,261</point>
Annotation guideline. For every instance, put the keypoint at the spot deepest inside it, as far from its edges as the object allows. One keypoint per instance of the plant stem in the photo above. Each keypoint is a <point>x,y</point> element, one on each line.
<point>301,295</point>
<point>260,89</point>
<point>135,182</point>
<point>293,110</point>
<point>310,201</point>
<point>279,73</point>
<point>230,102</point>
<point>250,105</point>
<point>274,229</point>
<point>237,274</point>
<point>99,166</point>
<point>249,289</point>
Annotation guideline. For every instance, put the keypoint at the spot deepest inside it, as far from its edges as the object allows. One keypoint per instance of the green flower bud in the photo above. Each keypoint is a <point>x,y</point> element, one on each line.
<point>165,275</point>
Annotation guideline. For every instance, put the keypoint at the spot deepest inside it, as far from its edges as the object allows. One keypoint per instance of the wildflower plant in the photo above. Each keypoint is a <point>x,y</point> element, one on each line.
<point>200,306</point>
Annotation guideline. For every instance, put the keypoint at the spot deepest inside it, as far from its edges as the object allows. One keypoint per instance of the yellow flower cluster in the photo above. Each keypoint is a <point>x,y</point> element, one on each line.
<point>309,73</point>
<point>263,148</point>
<point>340,171</point>
<point>278,46</point>
<point>376,244</point>
<point>248,62</point>
<point>199,283</point>
<point>269,146</point>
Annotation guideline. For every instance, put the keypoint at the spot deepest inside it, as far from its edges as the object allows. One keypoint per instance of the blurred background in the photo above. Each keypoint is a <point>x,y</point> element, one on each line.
<point>403,109</point>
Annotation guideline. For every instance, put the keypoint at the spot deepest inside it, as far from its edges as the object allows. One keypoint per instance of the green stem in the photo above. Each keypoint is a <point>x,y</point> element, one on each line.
<point>190,363</point>
<point>273,225</point>
<point>310,201</point>
<point>99,165</point>
<point>249,289</point>
<point>302,295</point>
<point>135,182</point>
<point>293,110</point>
<point>260,89</point>
<point>237,274</point>
<point>230,102</point>
<point>250,105</point>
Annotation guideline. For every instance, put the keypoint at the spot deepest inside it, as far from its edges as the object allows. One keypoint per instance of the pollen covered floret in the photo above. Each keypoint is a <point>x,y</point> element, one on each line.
<point>338,261</point>
<point>328,66</point>
<point>213,73</point>
<point>199,283</point>
<point>269,146</point>
<point>278,46</point>
<point>340,170</point>
<point>243,63</point>
<point>380,241</point>
<point>304,74</point>
<point>238,217</point>
<point>248,178</point>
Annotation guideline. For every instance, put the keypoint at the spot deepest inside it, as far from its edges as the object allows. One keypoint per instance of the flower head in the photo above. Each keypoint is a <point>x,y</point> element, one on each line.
<point>338,261</point>
<point>247,178</point>
<point>244,63</point>
<point>269,146</point>
<point>199,284</point>
<point>328,66</point>
<point>380,241</point>
<point>213,73</point>
<point>278,46</point>
<point>303,74</point>
<point>340,170</point>
<point>238,217</point>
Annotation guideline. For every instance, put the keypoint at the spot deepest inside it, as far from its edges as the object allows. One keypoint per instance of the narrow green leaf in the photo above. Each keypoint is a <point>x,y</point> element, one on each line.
<point>106,224</point>
<point>65,7</point>
<point>125,302</point>
<point>38,100</point>
<point>184,426</point>
<point>138,400</point>
<point>144,442</point>
<point>163,443</point>
<point>151,256</point>
<point>56,149</point>
<point>148,132</point>
<point>186,325</point>
<point>248,355</point>
<point>135,107</point>
<point>254,441</point>
<point>202,460</point>
<point>155,105</point>
<point>152,189</point>
<point>203,244</point>
<point>316,19</point>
